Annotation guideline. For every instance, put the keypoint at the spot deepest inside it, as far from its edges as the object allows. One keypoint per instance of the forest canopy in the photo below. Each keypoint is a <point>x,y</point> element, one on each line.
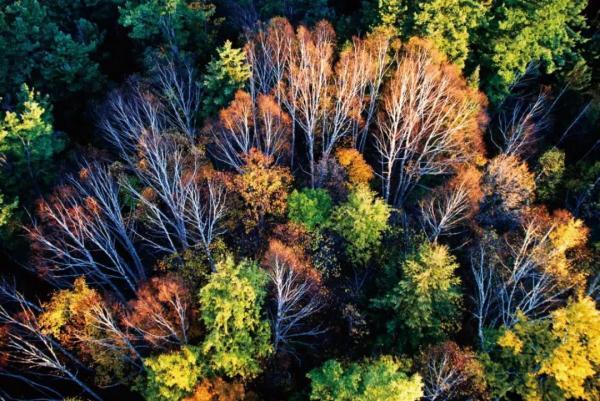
<point>240,200</point>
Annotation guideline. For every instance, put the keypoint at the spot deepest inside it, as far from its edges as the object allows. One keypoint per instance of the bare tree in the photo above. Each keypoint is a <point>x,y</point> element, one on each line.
<point>161,312</point>
<point>296,302</point>
<point>127,114</point>
<point>97,185</point>
<point>519,127</point>
<point>73,238</point>
<point>179,94</point>
<point>447,208</point>
<point>309,79</point>
<point>181,207</point>
<point>513,275</point>
<point>428,124</point>
<point>451,373</point>
<point>375,48</point>
<point>250,123</point>
<point>35,352</point>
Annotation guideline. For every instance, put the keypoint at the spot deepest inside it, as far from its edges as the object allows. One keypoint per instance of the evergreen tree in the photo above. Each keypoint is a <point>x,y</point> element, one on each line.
<point>520,32</point>
<point>449,25</point>
<point>424,306</point>
<point>28,144</point>
<point>175,27</point>
<point>224,76</point>
<point>56,55</point>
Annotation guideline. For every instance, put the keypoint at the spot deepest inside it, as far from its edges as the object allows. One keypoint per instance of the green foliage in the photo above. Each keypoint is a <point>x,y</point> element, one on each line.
<point>53,54</point>
<point>384,379</point>
<point>176,26</point>
<point>361,221</point>
<point>310,207</point>
<point>553,359</point>
<point>308,12</point>
<point>237,336</point>
<point>28,144</point>
<point>448,24</point>
<point>172,376</point>
<point>550,171</point>
<point>224,76</point>
<point>424,306</point>
<point>390,12</point>
<point>6,210</point>
<point>520,32</point>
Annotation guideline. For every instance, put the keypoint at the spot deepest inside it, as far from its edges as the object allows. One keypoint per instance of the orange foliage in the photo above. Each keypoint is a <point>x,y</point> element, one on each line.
<point>162,310</point>
<point>357,169</point>
<point>263,187</point>
<point>297,261</point>
<point>218,389</point>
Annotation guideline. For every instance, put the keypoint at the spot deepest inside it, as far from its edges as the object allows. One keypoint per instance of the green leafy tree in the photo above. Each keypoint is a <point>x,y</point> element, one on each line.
<point>310,207</point>
<point>361,221</point>
<point>55,55</point>
<point>237,336</point>
<point>28,144</point>
<point>172,376</point>
<point>449,25</point>
<point>224,76</point>
<point>424,306</point>
<point>554,359</point>
<point>175,26</point>
<point>519,32</point>
<point>384,379</point>
<point>308,12</point>
<point>6,210</point>
<point>550,171</point>
<point>391,12</point>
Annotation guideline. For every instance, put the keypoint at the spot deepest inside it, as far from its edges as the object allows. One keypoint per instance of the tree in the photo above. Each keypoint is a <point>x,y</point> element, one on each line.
<point>528,272</point>
<point>77,319</point>
<point>361,221</point>
<point>263,188</point>
<point>55,55</point>
<point>246,124</point>
<point>217,389</point>
<point>451,205</point>
<point>549,173</point>
<point>383,379</point>
<point>555,359</point>
<point>172,376</point>
<point>224,76</point>
<point>237,336</point>
<point>309,207</point>
<point>36,353</point>
<point>298,298</point>
<point>28,144</point>
<point>508,187</point>
<point>450,373</point>
<point>6,210</point>
<point>518,33</point>
<point>425,305</point>
<point>162,312</point>
<point>176,27</point>
<point>449,25</point>
<point>428,124</point>
<point>359,172</point>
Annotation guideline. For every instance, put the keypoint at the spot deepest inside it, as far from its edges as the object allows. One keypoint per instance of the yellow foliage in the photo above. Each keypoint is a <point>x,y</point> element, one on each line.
<point>511,341</point>
<point>577,357</point>
<point>569,233</point>
<point>358,170</point>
